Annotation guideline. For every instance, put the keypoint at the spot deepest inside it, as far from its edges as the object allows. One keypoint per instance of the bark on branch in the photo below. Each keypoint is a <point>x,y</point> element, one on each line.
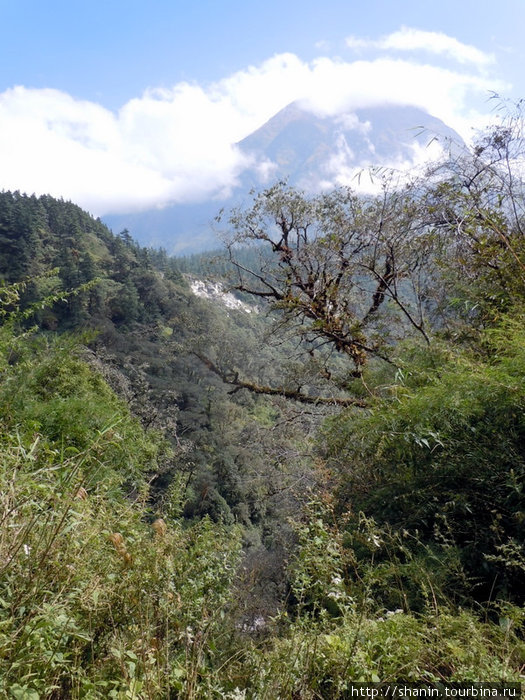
<point>234,380</point>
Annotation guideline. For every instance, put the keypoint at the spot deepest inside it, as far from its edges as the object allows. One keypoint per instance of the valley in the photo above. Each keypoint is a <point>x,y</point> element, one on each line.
<point>282,467</point>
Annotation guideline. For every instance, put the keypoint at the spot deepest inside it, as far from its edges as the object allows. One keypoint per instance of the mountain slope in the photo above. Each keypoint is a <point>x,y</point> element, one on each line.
<point>307,148</point>
<point>312,152</point>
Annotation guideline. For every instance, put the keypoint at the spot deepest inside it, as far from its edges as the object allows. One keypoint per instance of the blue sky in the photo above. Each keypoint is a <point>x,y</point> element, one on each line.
<point>124,104</point>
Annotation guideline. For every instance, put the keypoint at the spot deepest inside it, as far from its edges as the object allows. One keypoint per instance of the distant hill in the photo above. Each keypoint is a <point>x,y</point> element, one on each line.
<point>310,151</point>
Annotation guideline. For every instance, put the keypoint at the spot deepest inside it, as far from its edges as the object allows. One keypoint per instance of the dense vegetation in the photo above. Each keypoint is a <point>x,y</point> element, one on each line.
<point>198,502</point>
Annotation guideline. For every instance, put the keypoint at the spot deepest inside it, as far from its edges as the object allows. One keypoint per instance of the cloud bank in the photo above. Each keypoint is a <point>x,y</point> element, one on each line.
<point>410,39</point>
<point>178,144</point>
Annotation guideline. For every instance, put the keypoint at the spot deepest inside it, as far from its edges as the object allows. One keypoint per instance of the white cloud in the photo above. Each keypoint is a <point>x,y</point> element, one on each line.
<point>178,144</point>
<point>157,148</point>
<point>265,170</point>
<point>341,169</point>
<point>410,39</point>
<point>407,39</point>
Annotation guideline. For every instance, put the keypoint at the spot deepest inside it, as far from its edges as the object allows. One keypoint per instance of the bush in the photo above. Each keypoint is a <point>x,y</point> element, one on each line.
<point>441,459</point>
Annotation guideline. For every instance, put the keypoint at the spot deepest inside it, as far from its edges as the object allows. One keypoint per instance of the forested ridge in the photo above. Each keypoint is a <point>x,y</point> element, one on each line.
<point>199,502</point>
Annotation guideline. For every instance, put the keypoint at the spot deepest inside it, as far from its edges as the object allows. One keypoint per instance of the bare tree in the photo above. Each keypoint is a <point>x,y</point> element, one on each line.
<point>344,270</point>
<point>349,275</point>
<point>475,203</point>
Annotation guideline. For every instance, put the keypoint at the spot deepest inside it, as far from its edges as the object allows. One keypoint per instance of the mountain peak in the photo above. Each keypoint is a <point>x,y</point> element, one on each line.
<point>314,152</point>
<point>317,152</point>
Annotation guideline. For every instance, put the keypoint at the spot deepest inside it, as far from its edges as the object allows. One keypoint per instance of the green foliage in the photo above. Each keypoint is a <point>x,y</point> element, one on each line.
<point>475,203</point>
<point>442,459</point>
<point>94,600</point>
<point>143,324</point>
<point>50,391</point>
<point>43,233</point>
<point>152,521</point>
<point>318,569</point>
<point>322,659</point>
<point>340,636</point>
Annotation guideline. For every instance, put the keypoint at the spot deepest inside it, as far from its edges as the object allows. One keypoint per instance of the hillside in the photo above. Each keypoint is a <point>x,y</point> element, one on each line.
<point>144,325</point>
<point>199,502</point>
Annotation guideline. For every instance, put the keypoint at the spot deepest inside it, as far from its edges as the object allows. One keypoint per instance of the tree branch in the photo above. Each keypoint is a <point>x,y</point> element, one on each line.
<point>278,391</point>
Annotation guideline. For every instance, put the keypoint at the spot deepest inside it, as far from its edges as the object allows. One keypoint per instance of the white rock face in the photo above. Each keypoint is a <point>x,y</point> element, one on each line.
<point>215,292</point>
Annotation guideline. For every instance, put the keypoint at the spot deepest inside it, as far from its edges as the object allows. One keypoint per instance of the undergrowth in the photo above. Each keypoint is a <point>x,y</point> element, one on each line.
<point>103,595</point>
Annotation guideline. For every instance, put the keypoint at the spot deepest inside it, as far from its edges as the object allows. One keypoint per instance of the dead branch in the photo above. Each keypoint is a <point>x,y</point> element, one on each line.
<point>233,379</point>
